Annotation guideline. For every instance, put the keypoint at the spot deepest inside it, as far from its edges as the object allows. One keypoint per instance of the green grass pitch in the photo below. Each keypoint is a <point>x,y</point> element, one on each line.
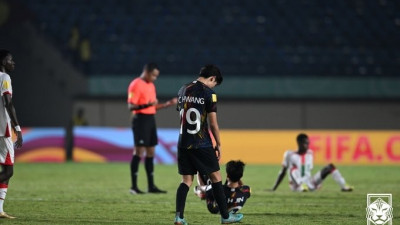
<point>90,193</point>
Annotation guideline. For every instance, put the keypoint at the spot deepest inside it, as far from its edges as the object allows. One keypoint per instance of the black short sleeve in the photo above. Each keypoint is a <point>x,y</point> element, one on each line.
<point>211,105</point>
<point>246,191</point>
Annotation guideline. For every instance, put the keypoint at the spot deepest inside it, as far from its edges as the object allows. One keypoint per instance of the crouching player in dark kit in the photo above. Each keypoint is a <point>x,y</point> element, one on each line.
<point>235,192</point>
<point>197,104</point>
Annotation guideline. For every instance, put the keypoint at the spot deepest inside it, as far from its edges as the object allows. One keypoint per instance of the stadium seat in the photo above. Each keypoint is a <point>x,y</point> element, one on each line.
<point>298,38</point>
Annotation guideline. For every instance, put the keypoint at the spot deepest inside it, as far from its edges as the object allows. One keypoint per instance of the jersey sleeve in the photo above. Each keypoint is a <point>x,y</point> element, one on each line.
<point>211,103</point>
<point>286,158</point>
<point>133,93</point>
<point>6,86</point>
<point>246,191</point>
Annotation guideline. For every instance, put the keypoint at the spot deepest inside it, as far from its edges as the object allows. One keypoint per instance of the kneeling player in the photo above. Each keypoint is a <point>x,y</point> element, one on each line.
<point>299,164</point>
<point>236,193</point>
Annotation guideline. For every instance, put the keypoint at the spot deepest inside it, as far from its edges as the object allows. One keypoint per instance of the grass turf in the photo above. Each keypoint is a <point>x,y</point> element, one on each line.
<point>90,193</point>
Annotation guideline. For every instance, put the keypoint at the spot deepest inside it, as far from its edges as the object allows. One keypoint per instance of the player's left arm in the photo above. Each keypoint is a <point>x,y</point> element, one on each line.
<point>211,109</point>
<point>13,116</point>
<point>212,116</point>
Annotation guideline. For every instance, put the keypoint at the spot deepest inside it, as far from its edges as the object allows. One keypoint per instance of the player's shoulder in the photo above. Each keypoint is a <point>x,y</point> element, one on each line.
<point>208,90</point>
<point>136,83</point>
<point>202,86</point>
<point>137,80</point>
<point>185,86</point>
<point>190,84</point>
<point>310,152</point>
<point>245,188</point>
<point>209,93</point>
<point>4,75</point>
<point>288,153</point>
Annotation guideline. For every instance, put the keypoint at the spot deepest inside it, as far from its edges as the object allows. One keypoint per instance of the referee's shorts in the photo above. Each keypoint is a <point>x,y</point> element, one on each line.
<point>144,130</point>
<point>202,160</point>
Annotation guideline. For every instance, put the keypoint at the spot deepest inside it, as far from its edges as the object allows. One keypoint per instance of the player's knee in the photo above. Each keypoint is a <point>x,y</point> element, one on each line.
<point>295,173</point>
<point>188,180</point>
<point>215,177</point>
<point>150,151</point>
<point>9,173</point>
<point>139,150</point>
<point>331,167</point>
<point>150,154</point>
<point>137,153</point>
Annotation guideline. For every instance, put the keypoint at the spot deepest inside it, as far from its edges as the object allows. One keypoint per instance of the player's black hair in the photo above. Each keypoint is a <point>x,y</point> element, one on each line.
<point>3,54</point>
<point>301,137</point>
<point>234,170</point>
<point>150,67</point>
<point>211,70</point>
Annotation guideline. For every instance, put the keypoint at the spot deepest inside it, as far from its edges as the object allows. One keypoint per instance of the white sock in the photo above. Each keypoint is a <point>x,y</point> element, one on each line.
<point>3,193</point>
<point>317,178</point>
<point>203,188</point>
<point>338,178</point>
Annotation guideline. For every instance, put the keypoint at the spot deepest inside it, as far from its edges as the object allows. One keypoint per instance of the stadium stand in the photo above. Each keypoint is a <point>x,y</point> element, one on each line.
<point>303,37</point>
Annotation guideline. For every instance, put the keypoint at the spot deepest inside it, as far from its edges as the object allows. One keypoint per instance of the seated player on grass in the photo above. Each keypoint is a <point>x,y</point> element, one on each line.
<point>299,165</point>
<point>236,193</point>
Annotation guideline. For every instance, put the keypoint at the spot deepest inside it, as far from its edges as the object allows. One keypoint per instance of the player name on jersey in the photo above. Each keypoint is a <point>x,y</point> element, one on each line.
<point>191,99</point>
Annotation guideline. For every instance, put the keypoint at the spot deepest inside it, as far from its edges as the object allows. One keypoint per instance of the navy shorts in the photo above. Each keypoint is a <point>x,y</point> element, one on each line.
<point>191,161</point>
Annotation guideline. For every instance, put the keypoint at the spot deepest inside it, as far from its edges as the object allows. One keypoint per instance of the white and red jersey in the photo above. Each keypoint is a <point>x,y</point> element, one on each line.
<point>5,88</point>
<point>304,163</point>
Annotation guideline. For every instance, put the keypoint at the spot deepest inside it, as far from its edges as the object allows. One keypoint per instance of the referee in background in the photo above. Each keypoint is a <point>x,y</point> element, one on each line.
<point>143,103</point>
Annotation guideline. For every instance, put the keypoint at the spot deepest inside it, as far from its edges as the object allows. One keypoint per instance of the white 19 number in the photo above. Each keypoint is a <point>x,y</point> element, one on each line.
<point>190,121</point>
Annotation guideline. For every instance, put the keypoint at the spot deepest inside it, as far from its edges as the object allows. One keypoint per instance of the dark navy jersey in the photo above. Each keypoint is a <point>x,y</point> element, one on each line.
<point>195,101</point>
<point>235,198</point>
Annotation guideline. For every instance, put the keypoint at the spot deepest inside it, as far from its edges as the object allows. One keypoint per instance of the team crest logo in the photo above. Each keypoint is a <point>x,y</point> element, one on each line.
<point>379,209</point>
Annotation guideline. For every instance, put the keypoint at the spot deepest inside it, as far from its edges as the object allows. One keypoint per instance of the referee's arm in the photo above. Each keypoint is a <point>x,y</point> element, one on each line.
<point>132,107</point>
<point>167,104</point>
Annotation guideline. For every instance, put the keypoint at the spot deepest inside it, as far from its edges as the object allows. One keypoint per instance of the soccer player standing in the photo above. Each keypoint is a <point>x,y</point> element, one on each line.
<point>143,103</point>
<point>7,117</point>
<point>197,103</point>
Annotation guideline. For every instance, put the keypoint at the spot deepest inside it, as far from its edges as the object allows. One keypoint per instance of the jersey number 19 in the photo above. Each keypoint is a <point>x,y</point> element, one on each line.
<point>189,120</point>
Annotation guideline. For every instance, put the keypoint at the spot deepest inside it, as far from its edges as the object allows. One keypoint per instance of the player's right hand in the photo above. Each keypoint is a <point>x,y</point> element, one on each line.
<point>271,189</point>
<point>18,143</point>
<point>218,152</point>
<point>174,101</point>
